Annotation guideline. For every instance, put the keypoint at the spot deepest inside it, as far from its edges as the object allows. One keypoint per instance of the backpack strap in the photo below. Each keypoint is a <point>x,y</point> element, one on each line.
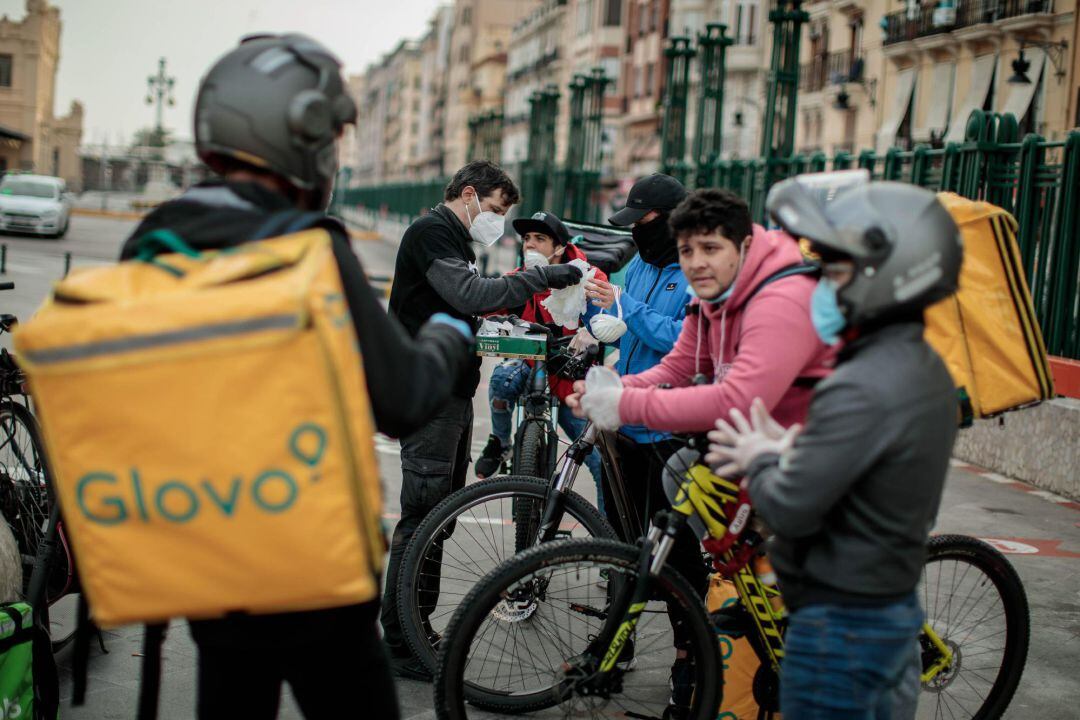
<point>802,268</point>
<point>150,686</point>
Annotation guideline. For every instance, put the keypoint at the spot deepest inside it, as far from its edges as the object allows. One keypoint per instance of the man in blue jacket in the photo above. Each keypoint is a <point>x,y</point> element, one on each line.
<point>654,305</point>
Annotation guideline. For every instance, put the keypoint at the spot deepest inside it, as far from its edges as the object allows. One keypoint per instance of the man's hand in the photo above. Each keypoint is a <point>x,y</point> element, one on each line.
<point>733,448</point>
<point>561,276</point>
<point>601,292</point>
<point>573,400</point>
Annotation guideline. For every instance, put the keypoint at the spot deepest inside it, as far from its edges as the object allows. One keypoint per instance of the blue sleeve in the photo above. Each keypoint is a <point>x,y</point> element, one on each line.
<point>654,329</point>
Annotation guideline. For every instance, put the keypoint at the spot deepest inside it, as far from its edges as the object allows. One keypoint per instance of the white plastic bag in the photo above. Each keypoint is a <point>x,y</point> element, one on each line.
<point>609,328</point>
<point>568,304</point>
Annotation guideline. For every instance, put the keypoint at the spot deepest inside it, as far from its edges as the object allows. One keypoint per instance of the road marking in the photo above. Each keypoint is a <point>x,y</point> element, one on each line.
<point>26,269</point>
<point>1030,546</point>
<point>499,522</point>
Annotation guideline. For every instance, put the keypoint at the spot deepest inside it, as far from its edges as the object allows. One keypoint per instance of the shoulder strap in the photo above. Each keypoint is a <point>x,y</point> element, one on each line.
<point>789,271</point>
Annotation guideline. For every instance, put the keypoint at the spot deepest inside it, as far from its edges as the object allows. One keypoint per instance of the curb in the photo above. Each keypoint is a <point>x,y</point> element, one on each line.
<point>117,214</point>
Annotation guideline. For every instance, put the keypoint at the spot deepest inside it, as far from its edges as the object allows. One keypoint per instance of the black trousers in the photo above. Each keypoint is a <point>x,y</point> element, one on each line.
<point>642,467</point>
<point>333,660</point>
<point>434,463</point>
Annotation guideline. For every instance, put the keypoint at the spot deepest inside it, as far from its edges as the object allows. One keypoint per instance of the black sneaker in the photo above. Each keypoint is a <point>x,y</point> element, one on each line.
<point>682,690</point>
<point>494,455</point>
<point>409,668</point>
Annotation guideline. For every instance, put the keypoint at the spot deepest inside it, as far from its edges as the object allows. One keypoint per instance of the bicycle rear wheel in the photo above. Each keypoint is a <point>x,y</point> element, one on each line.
<point>26,493</point>
<point>462,539</point>
<point>511,645</point>
<point>976,604</point>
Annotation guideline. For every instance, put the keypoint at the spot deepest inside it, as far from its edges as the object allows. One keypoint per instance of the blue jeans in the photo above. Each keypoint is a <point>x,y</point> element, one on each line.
<point>508,382</point>
<point>852,663</point>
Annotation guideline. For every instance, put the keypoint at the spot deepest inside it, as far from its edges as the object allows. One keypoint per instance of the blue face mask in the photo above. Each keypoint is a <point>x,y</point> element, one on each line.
<point>721,298</point>
<point>825,312</point>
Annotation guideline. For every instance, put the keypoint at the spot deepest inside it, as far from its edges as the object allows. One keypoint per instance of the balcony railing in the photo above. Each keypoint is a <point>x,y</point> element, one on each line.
<point>927,20</point>
<point>837,67</point>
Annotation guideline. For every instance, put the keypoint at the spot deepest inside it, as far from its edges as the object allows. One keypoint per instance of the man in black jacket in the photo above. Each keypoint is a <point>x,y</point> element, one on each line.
<point>436,273</point>
<point>268,116</point>
<point>853,497</point>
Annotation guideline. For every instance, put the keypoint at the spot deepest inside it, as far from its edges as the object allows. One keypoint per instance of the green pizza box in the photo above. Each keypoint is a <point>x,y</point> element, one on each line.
<point>522,346</point>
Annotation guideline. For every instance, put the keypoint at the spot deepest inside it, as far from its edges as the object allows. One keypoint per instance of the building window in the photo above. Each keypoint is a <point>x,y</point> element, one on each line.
<point>463,54</point>
<point>654,15</point>
<point>5,71</point>
<point>638,81</point>
<point>643,19</point>
<point>466,15</point>
<point>613,13</point>
<point>650,70</point>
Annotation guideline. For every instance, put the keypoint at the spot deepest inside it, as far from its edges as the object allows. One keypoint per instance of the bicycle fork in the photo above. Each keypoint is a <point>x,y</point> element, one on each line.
<point>563,483</point>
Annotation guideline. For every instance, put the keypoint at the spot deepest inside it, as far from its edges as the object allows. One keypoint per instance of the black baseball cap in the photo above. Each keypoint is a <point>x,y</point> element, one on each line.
<point>654,192</point>
<point>545,223</point>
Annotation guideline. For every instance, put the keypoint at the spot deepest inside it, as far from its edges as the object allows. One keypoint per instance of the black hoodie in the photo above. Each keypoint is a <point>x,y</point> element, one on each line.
<point>408,380</point>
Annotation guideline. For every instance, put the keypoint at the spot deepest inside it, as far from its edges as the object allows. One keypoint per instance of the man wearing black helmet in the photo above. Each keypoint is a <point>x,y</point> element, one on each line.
<point>853,497</point>
<point>267,120</point>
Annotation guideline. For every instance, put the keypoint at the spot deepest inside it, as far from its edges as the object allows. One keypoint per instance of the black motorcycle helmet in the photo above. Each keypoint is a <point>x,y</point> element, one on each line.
<point>277,103</point>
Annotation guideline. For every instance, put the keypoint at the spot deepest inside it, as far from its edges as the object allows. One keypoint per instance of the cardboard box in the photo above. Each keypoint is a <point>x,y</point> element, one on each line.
<point>523,346</point>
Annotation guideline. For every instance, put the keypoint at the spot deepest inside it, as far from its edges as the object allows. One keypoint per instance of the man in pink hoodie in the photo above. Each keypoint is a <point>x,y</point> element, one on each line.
<point>747,334</point>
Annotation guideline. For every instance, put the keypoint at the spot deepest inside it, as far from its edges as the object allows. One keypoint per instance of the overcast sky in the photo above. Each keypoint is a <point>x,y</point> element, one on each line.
<point>108,48</point>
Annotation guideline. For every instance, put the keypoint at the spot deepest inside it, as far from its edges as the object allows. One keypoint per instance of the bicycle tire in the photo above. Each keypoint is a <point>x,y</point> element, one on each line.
<point>29,531</point>
<point>529,459</point>
<point>1000,572</point>
<point>451,689</point>
<point>444,515</point>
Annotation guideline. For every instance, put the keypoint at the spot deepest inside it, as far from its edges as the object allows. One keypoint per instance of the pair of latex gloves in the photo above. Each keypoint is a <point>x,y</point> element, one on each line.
<point>733,446</point>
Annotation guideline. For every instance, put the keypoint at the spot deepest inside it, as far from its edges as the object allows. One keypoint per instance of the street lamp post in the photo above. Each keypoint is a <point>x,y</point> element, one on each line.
<point>709,134</point>
<point>673,132</point>
<point>543,114</point>
<point>778,134</point>
<point>159,91</point>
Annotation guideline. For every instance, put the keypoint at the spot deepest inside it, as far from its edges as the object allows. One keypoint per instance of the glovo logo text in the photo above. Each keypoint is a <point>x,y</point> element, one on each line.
<point>109,498</point>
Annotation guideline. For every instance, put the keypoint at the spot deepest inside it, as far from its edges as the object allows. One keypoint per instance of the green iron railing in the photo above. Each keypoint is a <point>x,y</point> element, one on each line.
<point>1035,179</point>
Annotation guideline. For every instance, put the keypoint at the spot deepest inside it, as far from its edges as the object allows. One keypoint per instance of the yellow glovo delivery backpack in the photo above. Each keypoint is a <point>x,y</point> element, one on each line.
<point>209,430</point>
<point>987,332</point>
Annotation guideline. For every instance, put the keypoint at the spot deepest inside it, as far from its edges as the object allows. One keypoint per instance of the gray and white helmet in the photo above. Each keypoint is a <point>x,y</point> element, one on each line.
<point>277,102</point>
<point>906,247</point>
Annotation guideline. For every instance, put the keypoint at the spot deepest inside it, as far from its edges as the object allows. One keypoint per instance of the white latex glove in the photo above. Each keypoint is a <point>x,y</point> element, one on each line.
<point>602,407</point>
<point>600,401</point>
<point>733,448</point>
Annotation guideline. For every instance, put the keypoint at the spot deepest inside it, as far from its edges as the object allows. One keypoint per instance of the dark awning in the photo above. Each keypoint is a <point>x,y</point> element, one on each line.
<point>7,133</point>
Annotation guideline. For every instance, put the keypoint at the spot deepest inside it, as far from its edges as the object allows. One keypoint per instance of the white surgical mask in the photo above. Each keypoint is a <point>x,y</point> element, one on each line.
<point>536,259</point>
<point>487,227</point>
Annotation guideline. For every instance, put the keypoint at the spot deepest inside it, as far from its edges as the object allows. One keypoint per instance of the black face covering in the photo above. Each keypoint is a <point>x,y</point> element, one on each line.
<point>654,242</point>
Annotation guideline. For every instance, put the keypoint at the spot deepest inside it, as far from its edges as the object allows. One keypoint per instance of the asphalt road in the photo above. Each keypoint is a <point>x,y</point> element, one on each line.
<point>1041,533</point>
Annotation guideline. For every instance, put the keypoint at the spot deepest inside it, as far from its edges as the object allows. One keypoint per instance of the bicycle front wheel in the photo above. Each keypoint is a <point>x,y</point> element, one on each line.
<point>976,604</point>
<point>462,539</point>
<point>518,642</point>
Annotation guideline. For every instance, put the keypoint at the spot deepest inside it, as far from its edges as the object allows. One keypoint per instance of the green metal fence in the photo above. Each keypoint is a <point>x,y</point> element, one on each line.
<point>1035,179</point>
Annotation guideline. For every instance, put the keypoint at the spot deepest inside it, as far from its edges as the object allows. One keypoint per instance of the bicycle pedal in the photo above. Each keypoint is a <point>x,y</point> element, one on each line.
<point>733,621</point>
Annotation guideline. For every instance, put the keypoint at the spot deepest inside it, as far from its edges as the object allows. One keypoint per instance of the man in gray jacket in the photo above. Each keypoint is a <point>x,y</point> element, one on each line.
<point>852,499</point>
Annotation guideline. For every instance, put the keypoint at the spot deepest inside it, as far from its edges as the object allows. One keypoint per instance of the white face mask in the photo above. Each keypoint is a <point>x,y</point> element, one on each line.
<point>536,259</point>
<point>487,227</point>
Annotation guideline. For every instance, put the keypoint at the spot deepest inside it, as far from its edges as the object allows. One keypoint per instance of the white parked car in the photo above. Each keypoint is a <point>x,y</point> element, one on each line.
<point>37,204</point>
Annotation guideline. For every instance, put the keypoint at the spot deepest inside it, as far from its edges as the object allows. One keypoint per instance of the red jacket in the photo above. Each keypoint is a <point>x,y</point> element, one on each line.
<point>535,312</point>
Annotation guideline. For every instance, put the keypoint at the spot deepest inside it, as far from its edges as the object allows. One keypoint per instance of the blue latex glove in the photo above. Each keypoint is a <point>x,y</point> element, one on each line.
<point>460,325</point>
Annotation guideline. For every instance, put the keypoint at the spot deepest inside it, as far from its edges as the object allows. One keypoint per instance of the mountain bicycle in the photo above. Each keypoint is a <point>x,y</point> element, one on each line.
<point>565,647</point>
